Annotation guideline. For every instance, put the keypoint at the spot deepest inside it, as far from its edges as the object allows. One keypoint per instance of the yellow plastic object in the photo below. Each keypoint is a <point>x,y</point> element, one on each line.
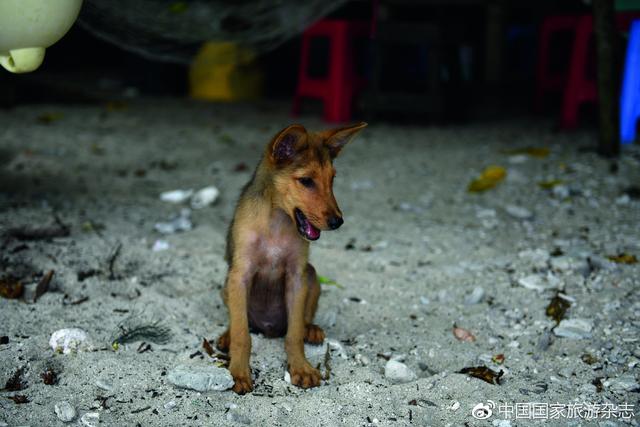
<point>28,27</point>
<point>223,71</point>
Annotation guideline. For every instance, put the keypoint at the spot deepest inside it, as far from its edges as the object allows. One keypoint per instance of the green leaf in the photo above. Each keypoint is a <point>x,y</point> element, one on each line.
<point>330,282</point>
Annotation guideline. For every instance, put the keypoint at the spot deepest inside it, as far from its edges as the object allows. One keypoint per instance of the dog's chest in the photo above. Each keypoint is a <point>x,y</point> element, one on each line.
<point>277,251</point>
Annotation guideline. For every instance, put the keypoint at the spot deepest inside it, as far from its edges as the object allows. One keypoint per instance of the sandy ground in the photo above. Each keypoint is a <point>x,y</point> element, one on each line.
<point>414,247</point>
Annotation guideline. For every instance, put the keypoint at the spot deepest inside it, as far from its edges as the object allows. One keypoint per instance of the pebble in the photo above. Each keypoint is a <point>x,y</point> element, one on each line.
<point>160,245</point>
<point>622,384</point>
<point>362,359</point>
<point>287,377</point>
<point>518,212</point>
<point>178,223</point>
<point>90,419</point>
<point>204,197</point>
<point>69,340</point>
<point>574,329</point>
<point>176,196</point>
<point>455,406</point>
<point>104,384</point>
<point>170,405</point>
<point>201,378</point>
<point>398,372</point>
<point>475,296</point>
<point>65,411</point>
<point>538,283</point>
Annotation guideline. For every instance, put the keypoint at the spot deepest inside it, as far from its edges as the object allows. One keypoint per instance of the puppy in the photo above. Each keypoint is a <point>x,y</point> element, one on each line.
<point>270,286</point>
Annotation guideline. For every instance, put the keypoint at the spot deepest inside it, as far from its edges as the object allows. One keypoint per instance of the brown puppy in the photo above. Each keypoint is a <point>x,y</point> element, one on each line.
<point>271,287</point>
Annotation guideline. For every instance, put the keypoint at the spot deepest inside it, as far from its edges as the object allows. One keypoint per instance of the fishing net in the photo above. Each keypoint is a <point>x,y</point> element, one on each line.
<point>172,31</point>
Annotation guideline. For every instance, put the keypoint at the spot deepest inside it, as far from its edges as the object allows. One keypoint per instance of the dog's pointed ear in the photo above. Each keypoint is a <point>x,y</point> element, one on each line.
<point>287,144</point>
<point>338,138</point>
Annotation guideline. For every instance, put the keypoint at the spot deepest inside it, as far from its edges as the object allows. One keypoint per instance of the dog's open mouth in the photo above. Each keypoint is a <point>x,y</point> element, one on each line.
<point>305,228</point>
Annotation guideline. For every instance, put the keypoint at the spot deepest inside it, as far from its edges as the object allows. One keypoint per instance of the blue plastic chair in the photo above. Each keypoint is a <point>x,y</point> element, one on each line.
<point>630,97</point>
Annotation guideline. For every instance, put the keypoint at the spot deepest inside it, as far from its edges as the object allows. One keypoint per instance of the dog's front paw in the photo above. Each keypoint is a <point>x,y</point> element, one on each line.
<point>305,376</point>
<point>313,334</point>
<point>242,380</point>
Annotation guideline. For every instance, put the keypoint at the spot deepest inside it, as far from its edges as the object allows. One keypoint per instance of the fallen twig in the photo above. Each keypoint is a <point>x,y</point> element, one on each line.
<point>112,261</point>
<point>327,365</point>
<point>43,285</point>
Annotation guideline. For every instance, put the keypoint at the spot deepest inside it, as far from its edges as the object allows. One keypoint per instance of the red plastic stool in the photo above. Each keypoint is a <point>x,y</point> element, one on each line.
<point>338,88</point>
<point>546,81</point>
<point>579,88</point>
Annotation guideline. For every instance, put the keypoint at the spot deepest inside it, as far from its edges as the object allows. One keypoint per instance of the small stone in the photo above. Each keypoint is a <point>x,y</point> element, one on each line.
<point>104,384</point>
<point>362,359</point>
<point>204,197</point>
<point>475,296</point>
<point>69,340</point>
<point>160,245</point>
<point>90,419</point>
<point>398,372</point>
<point>622,384</point>
<point>201,378</point>
<point>287,377</point>
<point>176,196</point>
<point>518,212</point>
<point>170,405</point>
<point>65,411</point>
<point>178,223</point>
<point>538,283</point>
<point>455,406</point>
<point>574,329</point>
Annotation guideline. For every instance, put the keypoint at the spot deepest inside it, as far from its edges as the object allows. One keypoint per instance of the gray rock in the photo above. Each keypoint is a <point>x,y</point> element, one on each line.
<point>475,296</point>
<point>538,283</point>
<point>398,372</point>
<point>201,378</point>
<point>90,419</point>
<point>518,212</point>
<point>65,411</point>
<point>622,384</point>
<point>104,384</point>
<point>574,329</point>
<point>176,224</point>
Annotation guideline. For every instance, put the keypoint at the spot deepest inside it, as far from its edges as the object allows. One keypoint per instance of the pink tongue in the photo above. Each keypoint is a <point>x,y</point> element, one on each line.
<point>311,231</point>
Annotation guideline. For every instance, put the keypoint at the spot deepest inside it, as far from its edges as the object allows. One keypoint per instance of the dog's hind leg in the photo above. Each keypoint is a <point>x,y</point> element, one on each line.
<point>313,334</point>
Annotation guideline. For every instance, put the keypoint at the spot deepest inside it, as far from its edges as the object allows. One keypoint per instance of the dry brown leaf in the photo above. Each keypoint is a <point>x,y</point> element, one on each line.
<point>624,258</point>
<point>207,347</point>
<point>483,373</point>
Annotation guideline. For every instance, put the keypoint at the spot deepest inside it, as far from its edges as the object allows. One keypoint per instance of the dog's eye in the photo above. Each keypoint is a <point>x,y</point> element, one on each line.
<point>306,181</point>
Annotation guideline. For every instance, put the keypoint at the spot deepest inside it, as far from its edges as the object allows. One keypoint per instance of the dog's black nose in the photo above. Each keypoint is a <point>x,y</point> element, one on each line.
<point>335,222</point>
